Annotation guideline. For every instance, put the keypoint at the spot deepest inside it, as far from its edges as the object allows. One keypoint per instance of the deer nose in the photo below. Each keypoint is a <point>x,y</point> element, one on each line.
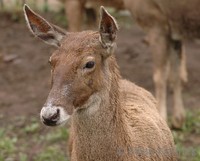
<point>52,118</point>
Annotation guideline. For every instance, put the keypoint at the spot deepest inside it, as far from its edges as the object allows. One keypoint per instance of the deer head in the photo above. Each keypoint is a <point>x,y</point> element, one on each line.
<point>79,65</point>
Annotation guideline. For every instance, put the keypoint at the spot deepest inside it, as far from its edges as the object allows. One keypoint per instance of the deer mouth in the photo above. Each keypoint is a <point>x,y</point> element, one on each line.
<point>54,115</point>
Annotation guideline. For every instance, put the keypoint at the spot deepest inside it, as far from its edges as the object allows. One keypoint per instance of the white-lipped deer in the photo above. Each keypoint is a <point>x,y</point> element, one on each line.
<point>112,119</point>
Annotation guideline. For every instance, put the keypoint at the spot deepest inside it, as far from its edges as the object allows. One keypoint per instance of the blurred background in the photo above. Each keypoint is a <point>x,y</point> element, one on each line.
<point>25,82</point>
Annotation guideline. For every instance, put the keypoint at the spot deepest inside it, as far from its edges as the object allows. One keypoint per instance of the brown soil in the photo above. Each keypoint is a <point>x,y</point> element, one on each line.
<point>25,73</point>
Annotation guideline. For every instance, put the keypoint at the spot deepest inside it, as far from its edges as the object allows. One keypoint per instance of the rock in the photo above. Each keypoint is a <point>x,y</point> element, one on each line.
<point>10,58</point>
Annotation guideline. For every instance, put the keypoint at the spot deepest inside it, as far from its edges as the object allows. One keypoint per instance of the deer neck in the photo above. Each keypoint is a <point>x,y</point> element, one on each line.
<point>101,124</point>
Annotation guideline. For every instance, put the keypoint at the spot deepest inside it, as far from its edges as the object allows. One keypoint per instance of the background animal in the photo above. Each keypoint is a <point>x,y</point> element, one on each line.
<point>167,24</point>
<point>108,114</point>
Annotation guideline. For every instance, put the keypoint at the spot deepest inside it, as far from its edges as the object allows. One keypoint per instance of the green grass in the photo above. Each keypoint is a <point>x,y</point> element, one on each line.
<point>192,124</point>
<point>52,153</point>
<point>187,148</point>
<point>7,145</point>
<point>28,136</point>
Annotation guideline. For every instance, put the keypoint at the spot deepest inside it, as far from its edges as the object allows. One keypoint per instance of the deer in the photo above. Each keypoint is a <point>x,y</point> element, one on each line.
<point>166,24</point>
<point>110,118</point>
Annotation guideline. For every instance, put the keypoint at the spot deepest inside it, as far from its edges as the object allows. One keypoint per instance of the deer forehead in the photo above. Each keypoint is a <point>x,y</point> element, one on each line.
<point>77,49</point>
<point>71,55</point>
<point>81,40</point>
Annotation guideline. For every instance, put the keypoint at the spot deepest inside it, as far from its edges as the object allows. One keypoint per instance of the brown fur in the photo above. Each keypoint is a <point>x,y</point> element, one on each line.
<point>183,16</point>
<point>127,115</point>
<point>112,119</point>
<point>123,130</point>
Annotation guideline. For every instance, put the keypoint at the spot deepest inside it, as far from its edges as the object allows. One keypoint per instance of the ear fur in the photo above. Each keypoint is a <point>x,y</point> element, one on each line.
<point>42,29</point>
<point>108,29</point>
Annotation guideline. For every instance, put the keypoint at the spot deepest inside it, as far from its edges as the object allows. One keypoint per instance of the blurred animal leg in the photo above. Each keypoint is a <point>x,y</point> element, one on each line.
<point>158,41</point>
<point>74,13</point>
<point>176,69</point>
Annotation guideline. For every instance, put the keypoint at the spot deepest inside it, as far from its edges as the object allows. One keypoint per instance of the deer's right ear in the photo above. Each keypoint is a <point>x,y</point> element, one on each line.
<point>42,29</point>
<point>108,28</point>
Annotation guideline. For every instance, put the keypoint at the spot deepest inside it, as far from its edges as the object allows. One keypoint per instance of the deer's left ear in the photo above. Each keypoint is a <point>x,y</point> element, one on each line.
<point>108,28</point>
<point>42,29</point>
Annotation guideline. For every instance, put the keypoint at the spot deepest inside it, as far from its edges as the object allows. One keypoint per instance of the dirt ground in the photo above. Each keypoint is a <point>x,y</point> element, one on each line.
<point>25,72</point>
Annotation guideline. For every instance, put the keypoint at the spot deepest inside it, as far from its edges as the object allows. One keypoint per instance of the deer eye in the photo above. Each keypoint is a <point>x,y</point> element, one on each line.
<point>89,64</point>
